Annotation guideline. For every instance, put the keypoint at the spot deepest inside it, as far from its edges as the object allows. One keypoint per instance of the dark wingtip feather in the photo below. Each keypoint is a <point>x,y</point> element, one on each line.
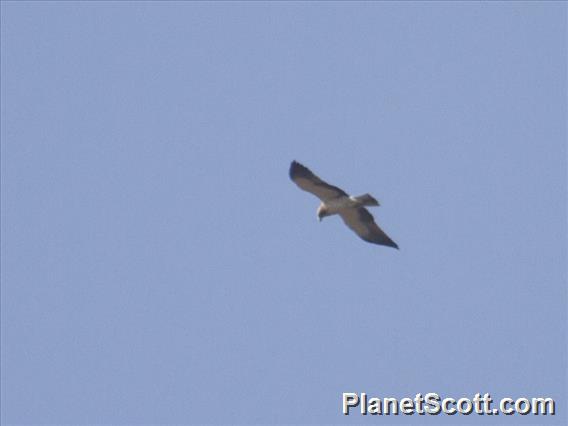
<point>297,169</point>
<point>382,242</point>
<point>390,243</point>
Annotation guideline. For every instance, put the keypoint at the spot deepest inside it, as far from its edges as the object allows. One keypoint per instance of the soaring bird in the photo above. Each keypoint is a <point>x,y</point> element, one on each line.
<point>336,201</point>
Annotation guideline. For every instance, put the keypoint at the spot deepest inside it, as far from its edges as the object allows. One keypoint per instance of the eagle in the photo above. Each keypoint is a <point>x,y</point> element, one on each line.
<point>336,201</point>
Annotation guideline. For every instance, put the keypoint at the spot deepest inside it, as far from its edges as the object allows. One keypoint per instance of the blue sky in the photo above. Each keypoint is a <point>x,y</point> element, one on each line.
<point>158,266</point>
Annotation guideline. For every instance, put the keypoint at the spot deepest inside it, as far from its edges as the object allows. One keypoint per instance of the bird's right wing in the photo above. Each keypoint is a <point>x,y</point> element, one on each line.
<point>363,224</point>
<point>306,180</point>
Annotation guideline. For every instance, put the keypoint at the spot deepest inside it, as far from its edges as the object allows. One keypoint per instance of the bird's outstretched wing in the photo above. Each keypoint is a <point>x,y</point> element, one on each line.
<point>306,180</point>
<point>363,224</point>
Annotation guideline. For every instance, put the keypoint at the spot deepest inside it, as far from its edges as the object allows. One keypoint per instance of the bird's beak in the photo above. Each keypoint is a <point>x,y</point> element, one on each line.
<point>319,218</point>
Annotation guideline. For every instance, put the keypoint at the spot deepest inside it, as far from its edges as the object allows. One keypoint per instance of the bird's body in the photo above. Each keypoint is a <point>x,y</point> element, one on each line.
<point>336,201</point>
<point>335,205</point>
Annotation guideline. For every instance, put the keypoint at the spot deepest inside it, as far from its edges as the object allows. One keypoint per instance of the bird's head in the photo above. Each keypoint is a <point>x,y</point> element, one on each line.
<point>322,212</point>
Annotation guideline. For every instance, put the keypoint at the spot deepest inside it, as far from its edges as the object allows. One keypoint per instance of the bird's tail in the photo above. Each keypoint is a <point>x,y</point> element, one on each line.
<point>366,200</point>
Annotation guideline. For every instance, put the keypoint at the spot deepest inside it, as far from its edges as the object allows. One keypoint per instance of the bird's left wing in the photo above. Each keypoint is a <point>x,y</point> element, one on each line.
<point>305,179</point>
<point>363,224</point>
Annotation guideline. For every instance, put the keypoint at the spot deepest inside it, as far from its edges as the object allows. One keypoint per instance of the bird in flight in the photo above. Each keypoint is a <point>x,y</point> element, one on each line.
<point>336,201</point>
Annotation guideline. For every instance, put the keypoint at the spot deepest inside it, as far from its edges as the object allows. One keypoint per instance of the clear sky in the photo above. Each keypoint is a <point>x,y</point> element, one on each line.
<point>158,266</point>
